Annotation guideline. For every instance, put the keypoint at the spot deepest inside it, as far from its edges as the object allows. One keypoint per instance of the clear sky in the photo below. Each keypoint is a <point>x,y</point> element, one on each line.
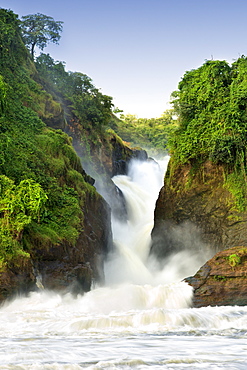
<point>138,50</point>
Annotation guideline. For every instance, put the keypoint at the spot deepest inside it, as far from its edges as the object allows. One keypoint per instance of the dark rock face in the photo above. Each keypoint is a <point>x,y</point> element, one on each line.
<point>196,201</point>
<point>110,157</point>
<point>64,267</point>
<point>222,281</point>
<point>17,278</point>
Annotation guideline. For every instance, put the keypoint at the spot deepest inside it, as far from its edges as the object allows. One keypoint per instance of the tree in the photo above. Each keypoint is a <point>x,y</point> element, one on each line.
<point>211,103</point>
<point>39,29</point>
<point>3,95</point>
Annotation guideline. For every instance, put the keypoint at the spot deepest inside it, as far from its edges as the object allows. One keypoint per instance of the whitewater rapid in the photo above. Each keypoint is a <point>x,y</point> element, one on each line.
<point>141,319</point>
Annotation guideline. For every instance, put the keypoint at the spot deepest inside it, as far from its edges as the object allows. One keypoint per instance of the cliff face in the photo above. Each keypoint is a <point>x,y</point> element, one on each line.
<point>102,152</point>
<point>61,244</point>
<point>196,200</point>
<point>65,268</point>
<point>222,280</point>
<point>65,249</point>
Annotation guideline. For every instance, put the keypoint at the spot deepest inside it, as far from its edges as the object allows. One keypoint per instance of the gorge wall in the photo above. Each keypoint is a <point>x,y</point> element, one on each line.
<point>195,210</point>
<point>55,139</point>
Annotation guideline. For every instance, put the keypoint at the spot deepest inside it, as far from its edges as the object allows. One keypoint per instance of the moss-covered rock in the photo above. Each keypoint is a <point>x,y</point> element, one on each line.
<point>65,267</point>
<point>198,196</point>
<point>222,280</point>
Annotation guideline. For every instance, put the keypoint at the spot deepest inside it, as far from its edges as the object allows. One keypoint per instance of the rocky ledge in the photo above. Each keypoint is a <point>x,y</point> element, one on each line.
<point>222,281</point>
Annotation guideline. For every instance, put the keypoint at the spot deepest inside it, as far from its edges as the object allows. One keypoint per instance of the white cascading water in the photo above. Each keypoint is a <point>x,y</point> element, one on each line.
<point>141,319</point>
<point>129,266</point>
<point>132,239</point>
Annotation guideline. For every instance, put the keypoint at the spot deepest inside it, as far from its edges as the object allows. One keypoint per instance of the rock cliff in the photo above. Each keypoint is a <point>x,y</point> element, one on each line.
<point>197,211</point>
<point>58,243</point>
<point>74,269</point>
<point>222,280</point>
<point>196,200</point>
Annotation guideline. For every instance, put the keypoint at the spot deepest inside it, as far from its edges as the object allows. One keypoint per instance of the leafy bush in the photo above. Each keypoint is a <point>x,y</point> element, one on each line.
<point>19,206</point>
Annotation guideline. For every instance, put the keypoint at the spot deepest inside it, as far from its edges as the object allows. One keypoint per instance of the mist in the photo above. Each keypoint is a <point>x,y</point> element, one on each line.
<point>130,261</point>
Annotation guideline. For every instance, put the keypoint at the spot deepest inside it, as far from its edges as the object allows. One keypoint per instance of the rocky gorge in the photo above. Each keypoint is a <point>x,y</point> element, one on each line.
<point>196,212</point>
<point>56,138</point>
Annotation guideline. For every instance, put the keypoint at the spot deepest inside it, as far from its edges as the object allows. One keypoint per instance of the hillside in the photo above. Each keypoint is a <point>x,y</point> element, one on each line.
<point>54,125</point>
<point>205,185</point>
<point>149,133</point>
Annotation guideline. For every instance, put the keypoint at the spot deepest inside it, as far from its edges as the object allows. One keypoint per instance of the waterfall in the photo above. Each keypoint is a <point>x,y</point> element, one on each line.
<point>141,318</point>
<point>132,238</point>
<point>130,262</point>
<point>136,281</point>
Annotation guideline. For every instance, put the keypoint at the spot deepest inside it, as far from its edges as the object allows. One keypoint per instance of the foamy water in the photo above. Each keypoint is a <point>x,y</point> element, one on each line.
<point>143,328</point>
<point>141,319</point>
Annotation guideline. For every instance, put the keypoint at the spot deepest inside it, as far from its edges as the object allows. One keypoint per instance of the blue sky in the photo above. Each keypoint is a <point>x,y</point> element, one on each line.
<point>138,50</point>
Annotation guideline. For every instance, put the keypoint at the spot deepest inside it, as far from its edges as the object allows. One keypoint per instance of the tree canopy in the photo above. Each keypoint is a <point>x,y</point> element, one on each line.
<point>211,103</point>
<point>93,108</point>
<point>149,133</point>
<point>42,184</point>
<point>39,29</point>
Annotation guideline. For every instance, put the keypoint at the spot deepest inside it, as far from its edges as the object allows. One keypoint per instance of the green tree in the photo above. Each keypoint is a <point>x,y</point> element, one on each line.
<point>3,94</point>
<point>39,29</point>
<point>149,133</point>
<point>93,108</point>
<point>211,103</point>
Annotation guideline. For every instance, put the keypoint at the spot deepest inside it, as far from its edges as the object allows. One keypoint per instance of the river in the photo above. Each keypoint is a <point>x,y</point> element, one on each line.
<point>141,319</point>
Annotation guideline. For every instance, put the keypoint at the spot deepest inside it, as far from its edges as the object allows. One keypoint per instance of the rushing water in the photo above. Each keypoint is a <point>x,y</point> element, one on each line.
<point>141,319</point>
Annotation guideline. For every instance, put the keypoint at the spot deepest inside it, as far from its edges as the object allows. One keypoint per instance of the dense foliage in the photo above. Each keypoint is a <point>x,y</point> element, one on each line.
<point>42,184</point>
<point>149,133</point>
<point>211,103</point>
<point>86,101</point>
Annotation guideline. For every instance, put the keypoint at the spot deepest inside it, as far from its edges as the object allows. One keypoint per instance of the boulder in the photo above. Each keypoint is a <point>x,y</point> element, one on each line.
<point>221,281</point>
<point>17,277</point>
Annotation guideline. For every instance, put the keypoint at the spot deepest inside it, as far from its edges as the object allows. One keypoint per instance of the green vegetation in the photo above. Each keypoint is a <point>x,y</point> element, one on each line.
<point>42,184</point>
<point>88,112</point>
<point>234,260</point>
<point>151,134</point>
<point>211,116</point>
<point>19,206</point>
<point>87,103</point>
<point>211,103</point>
<point>219,278</point>
<point>39,29</point>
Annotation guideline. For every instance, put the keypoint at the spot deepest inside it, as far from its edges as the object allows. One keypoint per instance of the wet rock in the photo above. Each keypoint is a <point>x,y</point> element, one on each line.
<point>194,204</point>
<point>75,268</point>
<point>17,279</point>
<point>222,280</point>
